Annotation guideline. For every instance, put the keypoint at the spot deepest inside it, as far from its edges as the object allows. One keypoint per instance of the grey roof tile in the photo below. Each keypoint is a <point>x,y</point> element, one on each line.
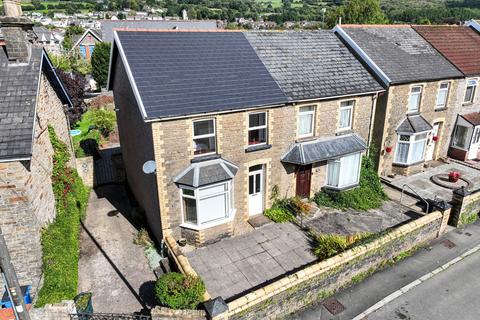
<point>311,64</point>
<point>414,124</point>
<point>401,53</point>
<point>206,172</point>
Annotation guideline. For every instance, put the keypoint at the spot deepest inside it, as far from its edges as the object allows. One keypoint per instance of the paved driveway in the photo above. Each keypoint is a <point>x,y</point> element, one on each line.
<point>234,265</point>
<point>110,265</point>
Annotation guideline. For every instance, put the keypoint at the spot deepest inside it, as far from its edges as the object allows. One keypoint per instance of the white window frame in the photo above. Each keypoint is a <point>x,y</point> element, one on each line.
<point>265,126</point>
<point>306,113</point>
<point>229,215</point>
<point>339,160</point>
<point>343,108</point>
<point>409,110</point>
<point>411,142</point>
<point>209,135</point>
<point>474,93</point>
<point>440,89</point>
<point>467,143</point>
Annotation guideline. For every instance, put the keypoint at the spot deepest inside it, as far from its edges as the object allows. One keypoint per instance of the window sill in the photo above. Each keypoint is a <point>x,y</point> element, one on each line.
<point>254,148</point>
<point>402,165</point>
<point>413,113</point>
<point>208,225</point>
<point>201,158</point>
<point>466,104</point>
<point>353,186</point>
<point>341,132</point>
<point>440,109</point>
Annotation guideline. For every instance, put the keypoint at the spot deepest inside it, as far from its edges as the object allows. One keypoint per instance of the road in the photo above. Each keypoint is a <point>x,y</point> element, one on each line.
<point>451,294</point>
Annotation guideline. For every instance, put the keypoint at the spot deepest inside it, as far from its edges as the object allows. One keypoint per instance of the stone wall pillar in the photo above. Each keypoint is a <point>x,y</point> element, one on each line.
<point>458,203</point>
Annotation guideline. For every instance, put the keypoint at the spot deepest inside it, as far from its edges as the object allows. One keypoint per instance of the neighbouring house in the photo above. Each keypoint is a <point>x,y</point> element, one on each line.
<point>108,26</point>
<point>229,117</point>
<point>47,39</point>
<point>413,123</point>
<point>461,46</point>
<point>85,43</point>
<point>31,98</point>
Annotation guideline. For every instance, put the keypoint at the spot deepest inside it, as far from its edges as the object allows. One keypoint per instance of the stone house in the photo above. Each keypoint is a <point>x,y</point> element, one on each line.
<point>231,119</point>
<point>85,43</point>
<point>461,46</point>
<point>413,123</point>
<point>47,39</point>
<point>31,98</point>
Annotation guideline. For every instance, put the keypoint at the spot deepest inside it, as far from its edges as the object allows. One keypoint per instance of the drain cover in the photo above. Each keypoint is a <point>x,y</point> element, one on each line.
<point>468,234</point>
<point>333,306</point>
<point>449,244</point>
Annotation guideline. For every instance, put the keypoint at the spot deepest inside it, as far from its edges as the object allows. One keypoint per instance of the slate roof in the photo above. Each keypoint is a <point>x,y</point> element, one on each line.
<point>206,172</point>
<point>77,37</point>
<point>43,34</point>
<point>311,64</point>
<point>459,44</point>
<point>18,98</point>
<point>322,149</point>
<point>107,26</point>
<point>184,73</point>
<point>401,53</point>
<point>414,124</point>
<point>473,118</point>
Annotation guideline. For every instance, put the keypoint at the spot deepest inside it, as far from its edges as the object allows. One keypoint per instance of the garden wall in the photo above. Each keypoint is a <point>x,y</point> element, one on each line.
<point>466,207</point>
<point>58,311</point>
<point>318,281</point>
<point>162,313</point>
<point>85,170</point>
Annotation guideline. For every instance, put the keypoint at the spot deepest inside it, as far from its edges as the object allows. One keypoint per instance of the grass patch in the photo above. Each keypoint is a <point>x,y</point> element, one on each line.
<point>368,195</point>
<point>60,240</point>
<point>329,245</point>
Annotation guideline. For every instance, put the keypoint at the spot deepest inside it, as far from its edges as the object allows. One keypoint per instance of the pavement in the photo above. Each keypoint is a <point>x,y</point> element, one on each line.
<point>383,283</point>
<point>111,266</point>
<point>235,265</point>
<point>422,184</point>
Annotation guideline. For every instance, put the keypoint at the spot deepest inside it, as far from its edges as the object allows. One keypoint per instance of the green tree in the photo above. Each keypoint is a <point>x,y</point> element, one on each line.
<point>100,61</point>
<point>69,32</point>
<point>358,12</point>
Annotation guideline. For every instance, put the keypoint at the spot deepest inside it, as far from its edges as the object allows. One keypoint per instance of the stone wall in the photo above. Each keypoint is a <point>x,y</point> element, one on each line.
<point>162,313</point>
<point>392,110</point>
<point>174,150</point>
<point>466,207</point>
<point>58,311</point>
<point>320,280</point>
<point>26,198</point>
<point>85,169</point>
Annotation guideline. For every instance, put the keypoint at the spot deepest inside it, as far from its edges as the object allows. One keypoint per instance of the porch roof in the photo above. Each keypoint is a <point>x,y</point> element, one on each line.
<point>473,118</point>
<point>414,124</point>
<point>308,152</point>
<point>206,172</point>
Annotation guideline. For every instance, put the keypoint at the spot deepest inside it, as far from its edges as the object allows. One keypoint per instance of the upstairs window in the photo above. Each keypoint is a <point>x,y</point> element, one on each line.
<point>257,128</point>
<point>415,98</point>
<point>346,115</point>
<point>306,121</point>
<point>204,137</point>
<point>470,91</point>
<point>411,148</point>
<point>442,95</point>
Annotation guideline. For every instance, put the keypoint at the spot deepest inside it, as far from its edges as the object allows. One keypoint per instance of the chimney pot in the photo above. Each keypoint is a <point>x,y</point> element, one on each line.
<point>12,8</point>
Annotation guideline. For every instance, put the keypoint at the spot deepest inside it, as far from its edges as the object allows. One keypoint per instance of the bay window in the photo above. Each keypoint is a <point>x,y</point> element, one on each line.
<point>344,172</point>
<point>414,98</point>
<point>410,148</point>
<point>460,137</point>
<point>207,204</point>
<point>470,91</point>
<point>257,128</point>
<point>442,95</point>
<point>306,121</point>
<point>346,115</point>
<point>204,137</point>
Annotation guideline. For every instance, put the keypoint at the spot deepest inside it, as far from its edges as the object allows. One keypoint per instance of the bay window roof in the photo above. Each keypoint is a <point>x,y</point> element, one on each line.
<point>322,149</point>
<point>473,118</point>
<point>206,172</point>
<point>414,124</point>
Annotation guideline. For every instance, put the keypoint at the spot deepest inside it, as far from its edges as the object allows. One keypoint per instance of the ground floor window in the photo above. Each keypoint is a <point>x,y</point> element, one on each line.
<point>207,204</point>
<point>411,148</point>
<point>344,172</point>
<point>460,137</point>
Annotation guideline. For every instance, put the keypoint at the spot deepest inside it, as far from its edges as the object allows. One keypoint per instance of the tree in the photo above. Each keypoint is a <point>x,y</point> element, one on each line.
<point>69,32</point>
<point>100,62</point>
<point>358,12</point>
<point>75,86</point>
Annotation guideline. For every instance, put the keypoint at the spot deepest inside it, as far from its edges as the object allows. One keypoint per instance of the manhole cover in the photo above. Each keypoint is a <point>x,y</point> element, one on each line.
<point>333,306</point>
<point>449,244</point>
<point>468,234</point>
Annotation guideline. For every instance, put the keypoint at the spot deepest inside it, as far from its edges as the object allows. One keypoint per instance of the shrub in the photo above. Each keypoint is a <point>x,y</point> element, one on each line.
<point>177,291</point>
<point>329,245</point>
<point>279,214</point>
<point>100,63</point>
<point>60,239</point>
<point>104,120</point>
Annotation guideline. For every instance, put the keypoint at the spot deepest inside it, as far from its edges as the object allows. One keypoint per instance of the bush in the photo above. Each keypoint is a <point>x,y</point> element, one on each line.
<point>279,214</point>
<point>60,239</point>
<point>100,63</point>
<point>329,245</point>
<point>104,120</point>
<point>177,291</point>
<point>368,195</point>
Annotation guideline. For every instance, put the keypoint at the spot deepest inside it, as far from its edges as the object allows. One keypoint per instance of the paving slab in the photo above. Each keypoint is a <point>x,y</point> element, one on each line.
<point>266,253</point>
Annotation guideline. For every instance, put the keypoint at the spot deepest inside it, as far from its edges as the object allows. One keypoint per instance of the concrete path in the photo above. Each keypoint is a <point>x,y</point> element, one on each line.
<point>111,265</point>
<point>383,283</point>
<point>234,265</point>
<point>451,294</point>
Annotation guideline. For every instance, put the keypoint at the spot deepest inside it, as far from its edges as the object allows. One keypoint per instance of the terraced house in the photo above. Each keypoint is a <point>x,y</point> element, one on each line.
<point>232,118</point>
<point>461,45</point>
<point>413,123</point>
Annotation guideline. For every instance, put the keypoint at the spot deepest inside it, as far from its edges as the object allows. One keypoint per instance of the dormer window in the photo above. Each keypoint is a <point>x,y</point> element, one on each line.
<point>204,137</point>
<point>415,98</point>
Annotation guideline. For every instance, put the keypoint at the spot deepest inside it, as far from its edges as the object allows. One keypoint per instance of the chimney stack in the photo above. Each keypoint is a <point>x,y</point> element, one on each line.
<point>14,28</point>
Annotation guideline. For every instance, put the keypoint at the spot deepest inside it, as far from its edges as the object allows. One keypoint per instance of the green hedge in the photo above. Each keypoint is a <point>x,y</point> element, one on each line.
<point>177,291</point>
<point>60,239</point>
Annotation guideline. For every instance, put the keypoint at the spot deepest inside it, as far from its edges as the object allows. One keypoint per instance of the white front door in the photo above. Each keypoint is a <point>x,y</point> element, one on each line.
<point>255,190</point>
<point>475,145</point>
<point>431,142</point>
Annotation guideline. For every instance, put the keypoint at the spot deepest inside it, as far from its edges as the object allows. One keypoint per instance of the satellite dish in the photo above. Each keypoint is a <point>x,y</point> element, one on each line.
<point>149,167</point>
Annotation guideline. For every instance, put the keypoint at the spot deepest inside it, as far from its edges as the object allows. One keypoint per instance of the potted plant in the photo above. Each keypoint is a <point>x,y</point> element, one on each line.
<point>453,176</point>
<point>83,302</point>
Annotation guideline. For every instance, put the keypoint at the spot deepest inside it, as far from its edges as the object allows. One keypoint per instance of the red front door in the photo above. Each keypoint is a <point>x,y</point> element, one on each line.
<point>304,174</point>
